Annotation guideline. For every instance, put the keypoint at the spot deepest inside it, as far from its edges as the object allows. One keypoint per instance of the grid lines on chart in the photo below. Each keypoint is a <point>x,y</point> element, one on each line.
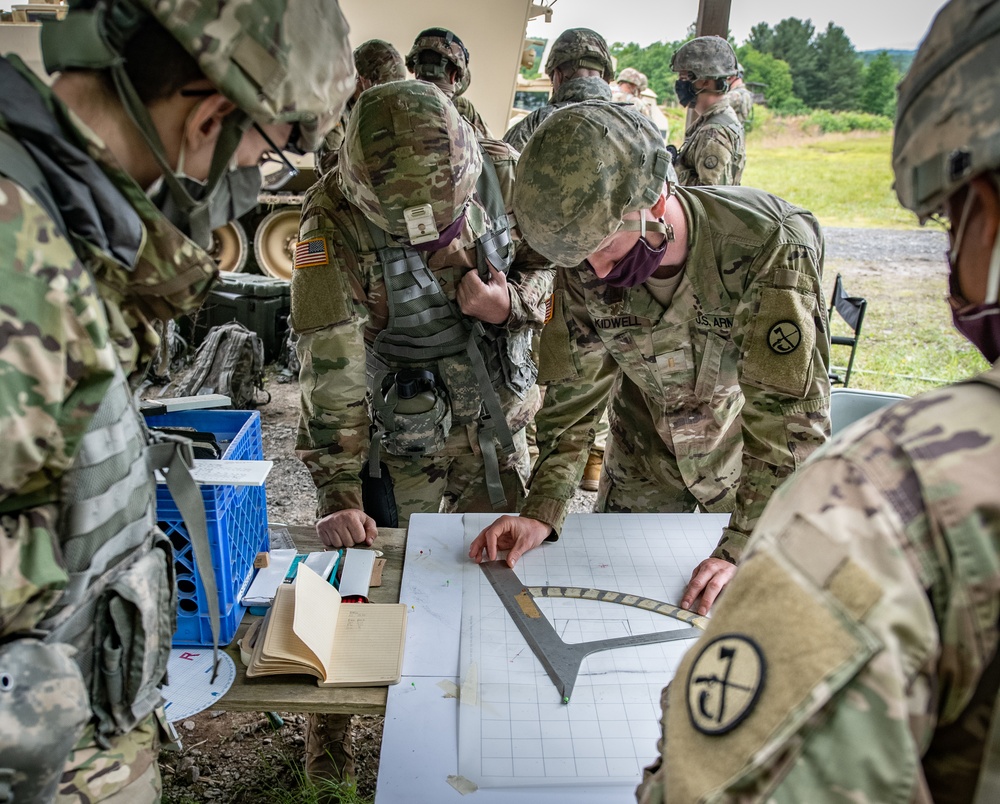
<point>517,731</point>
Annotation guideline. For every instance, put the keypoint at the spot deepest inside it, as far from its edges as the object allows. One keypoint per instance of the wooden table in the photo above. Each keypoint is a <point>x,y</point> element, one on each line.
<point>299,693</point>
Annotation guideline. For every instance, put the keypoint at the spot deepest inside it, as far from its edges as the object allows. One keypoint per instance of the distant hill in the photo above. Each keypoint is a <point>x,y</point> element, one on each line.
<point>902,58</point>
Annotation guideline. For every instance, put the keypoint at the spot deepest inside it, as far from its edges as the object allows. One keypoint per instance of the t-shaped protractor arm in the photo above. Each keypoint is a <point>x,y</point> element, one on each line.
<point>560,659</point>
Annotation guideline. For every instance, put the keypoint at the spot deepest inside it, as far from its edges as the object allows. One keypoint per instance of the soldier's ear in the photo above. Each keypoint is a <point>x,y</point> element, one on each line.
<point>205,121</point>
<point>660,207</point>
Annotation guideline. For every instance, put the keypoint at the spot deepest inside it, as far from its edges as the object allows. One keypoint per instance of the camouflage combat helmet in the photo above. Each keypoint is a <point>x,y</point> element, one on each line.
<point>581,47</point>
<point>447,45</point>
<point>946,119</point>
<point>585,167</point>
<point>632,76</point>
<point>278,61</point>
<point>406,148</point>
<point>379,62</point>
<point>705,57</point>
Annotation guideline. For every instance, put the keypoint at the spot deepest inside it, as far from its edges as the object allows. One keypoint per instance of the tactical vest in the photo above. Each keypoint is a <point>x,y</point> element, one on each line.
<point>118,608</point>
<point>684,169</point>
<point>426,330</point>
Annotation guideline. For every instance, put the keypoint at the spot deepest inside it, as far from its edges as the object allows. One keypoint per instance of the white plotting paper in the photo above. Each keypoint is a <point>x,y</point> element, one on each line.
<point>514,729</point>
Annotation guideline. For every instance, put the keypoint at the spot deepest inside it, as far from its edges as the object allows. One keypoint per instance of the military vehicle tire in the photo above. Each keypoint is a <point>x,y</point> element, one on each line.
<point>230,247</point>
<point>274,242</point>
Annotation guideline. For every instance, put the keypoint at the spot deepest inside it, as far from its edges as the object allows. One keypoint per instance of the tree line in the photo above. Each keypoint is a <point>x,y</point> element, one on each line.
<point>800,68</point>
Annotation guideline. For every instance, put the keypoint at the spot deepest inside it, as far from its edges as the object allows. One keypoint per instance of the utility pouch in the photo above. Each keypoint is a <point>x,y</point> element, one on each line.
<point>519,369</point>
<point>464,393</point>
<point>414,415</point>
<point>378,498</point>
<point>134,625</point>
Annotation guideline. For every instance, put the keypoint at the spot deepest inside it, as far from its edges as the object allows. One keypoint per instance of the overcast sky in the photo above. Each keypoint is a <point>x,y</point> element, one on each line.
<point>870,24</point>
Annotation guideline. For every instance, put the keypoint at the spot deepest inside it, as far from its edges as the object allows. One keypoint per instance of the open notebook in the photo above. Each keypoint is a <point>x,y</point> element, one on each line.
<point>308,630</point>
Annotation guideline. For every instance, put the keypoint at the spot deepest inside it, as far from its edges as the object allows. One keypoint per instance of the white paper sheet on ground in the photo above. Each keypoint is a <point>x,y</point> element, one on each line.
<point>514,729</point>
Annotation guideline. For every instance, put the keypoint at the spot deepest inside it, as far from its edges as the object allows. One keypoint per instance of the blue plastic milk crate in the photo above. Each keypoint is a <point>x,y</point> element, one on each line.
<point>237,527</point>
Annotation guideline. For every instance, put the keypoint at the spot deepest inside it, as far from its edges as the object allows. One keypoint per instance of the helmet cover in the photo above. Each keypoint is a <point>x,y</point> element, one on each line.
<point>946,119</point>
<point>586,166</point>
<point>407,146</point>
<point>581,47</point>
<point>705,57</point>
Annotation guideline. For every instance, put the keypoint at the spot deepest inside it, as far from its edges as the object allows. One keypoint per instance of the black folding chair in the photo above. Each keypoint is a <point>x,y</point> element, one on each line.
<point>852,310</point>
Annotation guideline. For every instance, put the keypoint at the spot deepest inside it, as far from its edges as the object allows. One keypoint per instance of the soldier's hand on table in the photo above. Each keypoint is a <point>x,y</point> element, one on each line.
<point>516,534</point>
<point>708,580</point>
<point>487,302</point>
<point>347,528</point>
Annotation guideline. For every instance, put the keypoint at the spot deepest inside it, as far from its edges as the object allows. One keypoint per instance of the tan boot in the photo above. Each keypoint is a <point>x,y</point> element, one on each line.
<point>592,474</point>
<point>329,748</point>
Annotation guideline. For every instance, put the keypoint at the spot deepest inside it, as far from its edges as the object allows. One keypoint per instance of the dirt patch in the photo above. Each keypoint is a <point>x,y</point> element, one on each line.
<point>253,758</point>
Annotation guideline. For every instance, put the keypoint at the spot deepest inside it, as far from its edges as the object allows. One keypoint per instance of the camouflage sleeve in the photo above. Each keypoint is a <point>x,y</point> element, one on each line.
<point>530,275</point>
<point>831,634</point>
<point>578,374</point>
<point>780,331</point>
<point>56,363</point>
<point>55,356</point>
<point>329,313</point>
<point>713,155</point>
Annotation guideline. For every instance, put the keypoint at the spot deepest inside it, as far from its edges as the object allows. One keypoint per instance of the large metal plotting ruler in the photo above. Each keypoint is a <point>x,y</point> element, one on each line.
<point>560,659</point>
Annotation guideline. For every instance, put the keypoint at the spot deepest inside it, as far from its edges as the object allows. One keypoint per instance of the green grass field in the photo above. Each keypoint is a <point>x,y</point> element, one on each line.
<point>908,343</point>
<point>844,179</point>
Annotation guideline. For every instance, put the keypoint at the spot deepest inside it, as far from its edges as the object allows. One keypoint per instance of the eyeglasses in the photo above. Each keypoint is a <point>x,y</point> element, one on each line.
<point>275,154</point>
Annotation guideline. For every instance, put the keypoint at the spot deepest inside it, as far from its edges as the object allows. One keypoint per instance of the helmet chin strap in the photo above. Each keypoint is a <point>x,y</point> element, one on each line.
<point>234,126</point>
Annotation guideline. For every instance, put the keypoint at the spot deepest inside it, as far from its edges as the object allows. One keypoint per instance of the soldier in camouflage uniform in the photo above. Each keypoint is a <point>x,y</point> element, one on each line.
<point>708,337</point>
<point>740,99</point>
<point>580,68</point>
<point>854,658</point>
<point>343,306</point>
<point>440,57</point>
<point>714,149</point>
<point>376,62</point>
<point>359,326</point>
<point>630,85</point>
<point>89,263</point>
<point>579,65</point>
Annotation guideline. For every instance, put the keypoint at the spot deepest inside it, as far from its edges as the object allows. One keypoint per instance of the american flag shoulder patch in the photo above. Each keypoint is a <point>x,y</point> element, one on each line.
<point>311,252</point>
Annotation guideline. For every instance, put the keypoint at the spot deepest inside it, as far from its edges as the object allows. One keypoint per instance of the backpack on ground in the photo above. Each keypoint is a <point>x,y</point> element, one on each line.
<point>230,361</point>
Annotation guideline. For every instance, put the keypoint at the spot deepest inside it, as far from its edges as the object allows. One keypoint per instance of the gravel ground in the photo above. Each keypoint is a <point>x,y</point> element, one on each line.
<point>873,245</point>
<point>242,758</point>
